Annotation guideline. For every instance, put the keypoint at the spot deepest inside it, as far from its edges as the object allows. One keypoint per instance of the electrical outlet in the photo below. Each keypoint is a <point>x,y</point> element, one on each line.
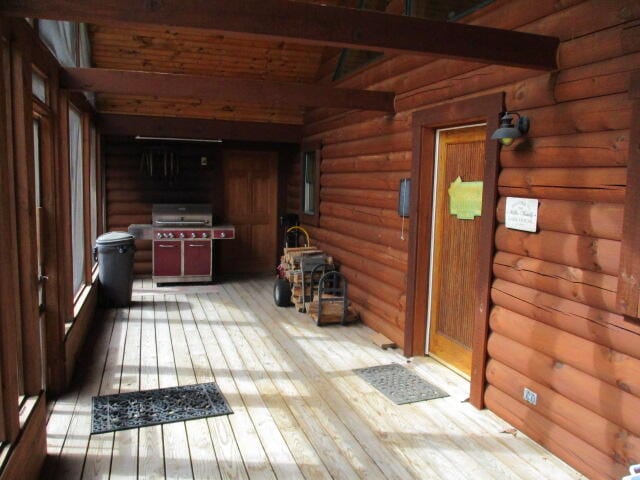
<point>530,396</point>
<point>203,161</point>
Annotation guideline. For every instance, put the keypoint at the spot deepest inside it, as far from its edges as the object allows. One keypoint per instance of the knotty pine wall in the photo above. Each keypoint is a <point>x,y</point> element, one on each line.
<point>554,326</point>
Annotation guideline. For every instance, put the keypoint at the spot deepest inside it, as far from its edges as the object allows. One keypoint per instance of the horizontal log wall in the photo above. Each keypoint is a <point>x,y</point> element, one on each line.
<point>554,325</point>
<point>131,191</point>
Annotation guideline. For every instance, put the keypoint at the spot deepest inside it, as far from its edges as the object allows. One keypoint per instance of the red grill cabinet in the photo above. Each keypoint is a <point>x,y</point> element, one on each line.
<point>185,255</point>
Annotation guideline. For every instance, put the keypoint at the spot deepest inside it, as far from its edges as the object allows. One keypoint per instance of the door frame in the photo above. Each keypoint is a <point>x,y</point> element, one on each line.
<point>483,109</point>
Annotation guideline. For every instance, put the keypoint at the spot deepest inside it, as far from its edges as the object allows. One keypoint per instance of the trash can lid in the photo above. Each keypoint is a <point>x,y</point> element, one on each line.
<point>115,238</point>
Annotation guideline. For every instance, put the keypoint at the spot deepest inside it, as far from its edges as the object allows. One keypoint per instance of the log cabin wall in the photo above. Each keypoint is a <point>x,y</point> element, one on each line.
<point>554,326</point>
<point>131,189</point>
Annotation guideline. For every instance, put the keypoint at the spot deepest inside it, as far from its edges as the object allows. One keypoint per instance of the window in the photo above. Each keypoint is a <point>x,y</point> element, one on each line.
<point>310,194</point>
<point>39,86</point>
<point>309,169</point>
<point>76,171</point>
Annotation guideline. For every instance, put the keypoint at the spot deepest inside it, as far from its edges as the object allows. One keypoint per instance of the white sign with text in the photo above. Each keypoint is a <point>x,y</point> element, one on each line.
<point>522,214</point>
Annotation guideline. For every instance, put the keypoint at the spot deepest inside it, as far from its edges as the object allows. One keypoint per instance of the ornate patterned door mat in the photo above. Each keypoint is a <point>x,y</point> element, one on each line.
<point>399,384</point>
<point>110,413</point>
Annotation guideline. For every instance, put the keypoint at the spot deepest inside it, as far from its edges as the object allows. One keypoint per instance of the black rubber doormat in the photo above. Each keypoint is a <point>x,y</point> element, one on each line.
<point>110,413</point>
<point>399,384</point>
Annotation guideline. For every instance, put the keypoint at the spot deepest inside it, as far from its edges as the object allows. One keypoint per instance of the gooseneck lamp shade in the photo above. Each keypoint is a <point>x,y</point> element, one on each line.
<point>507,132</point>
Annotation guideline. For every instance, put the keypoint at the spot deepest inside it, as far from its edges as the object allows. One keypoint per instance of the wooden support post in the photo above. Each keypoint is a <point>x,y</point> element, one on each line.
<point>312,24</point>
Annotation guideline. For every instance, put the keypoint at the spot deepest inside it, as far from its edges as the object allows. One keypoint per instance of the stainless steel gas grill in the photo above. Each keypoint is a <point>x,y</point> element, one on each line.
<point>182,242</point>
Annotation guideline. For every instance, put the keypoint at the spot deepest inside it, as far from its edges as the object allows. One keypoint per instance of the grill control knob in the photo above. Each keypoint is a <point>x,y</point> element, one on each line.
<point>181,234</point>
<point>158,235</point>
<point>204,235</point>
<point>193,234</point>
<point>222,234</point>
<point>170,235</point>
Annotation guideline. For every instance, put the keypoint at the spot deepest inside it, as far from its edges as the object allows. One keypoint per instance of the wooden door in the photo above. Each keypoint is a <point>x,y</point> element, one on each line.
<point>454,250</point>
<point>250,203</point>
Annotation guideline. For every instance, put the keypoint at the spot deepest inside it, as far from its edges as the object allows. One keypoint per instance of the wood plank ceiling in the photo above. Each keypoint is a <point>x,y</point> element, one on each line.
<point>198,52</point>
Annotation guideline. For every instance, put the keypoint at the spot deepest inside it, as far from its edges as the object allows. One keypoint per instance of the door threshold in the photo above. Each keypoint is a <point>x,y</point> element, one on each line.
<point>450,367</point>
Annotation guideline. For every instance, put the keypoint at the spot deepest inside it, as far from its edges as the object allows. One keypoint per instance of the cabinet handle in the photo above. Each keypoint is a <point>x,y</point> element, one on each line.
<point>167,246</point>
<point>195,245</point>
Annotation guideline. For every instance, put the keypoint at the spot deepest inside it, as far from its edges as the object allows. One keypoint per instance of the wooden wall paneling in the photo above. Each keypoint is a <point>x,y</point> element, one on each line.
<point>629,277</point>
<point>611,403</point>
<point>332,26</point>
<point>592,149</point>
<point>26,218</point>
<point>599,220</point>
<point>30,450</point>
<point>590,288</point>
<point>425,124</point>
<point>598,326</point>
<point>571,449</point>
<point>381,254</point>
<point>580,421</point>
<point>569,349</point>
<point>9,423</point>
<point>594,254</point>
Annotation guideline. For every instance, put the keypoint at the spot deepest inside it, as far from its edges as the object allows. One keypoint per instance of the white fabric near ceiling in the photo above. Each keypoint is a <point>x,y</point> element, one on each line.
<point>77,197</point>
<point>69,43</point>
<point>62,40</point>
<point>85,47</point>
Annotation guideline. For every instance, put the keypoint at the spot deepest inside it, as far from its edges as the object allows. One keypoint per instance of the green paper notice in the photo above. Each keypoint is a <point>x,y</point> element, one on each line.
<point>465,199</point>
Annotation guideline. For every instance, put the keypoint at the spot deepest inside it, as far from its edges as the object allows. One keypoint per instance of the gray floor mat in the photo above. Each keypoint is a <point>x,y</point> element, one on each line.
<point>110,413</point>
<point>399,384</point>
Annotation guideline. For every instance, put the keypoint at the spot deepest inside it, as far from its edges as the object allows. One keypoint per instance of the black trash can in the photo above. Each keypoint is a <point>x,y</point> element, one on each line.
<point>114,252</point>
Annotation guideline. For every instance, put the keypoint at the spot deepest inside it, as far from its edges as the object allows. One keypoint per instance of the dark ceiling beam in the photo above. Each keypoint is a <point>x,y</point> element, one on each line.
<point>201,128</point>
<point>101,80</point>
<point>308,23</point>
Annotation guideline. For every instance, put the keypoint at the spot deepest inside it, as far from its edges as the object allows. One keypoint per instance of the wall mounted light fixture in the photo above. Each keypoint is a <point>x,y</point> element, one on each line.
<point>507,132</point>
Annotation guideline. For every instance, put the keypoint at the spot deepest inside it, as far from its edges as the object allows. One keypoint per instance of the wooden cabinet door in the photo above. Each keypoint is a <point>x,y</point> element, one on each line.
<point>197,257</point>
<point>250,199</point>
<point>167,258</point>
<point>455,250</point>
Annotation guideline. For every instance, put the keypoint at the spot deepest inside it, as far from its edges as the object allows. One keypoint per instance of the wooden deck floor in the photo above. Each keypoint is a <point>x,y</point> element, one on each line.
<point>299,411</point>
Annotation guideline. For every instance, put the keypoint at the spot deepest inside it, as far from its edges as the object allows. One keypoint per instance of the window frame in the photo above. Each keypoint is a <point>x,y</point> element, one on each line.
<point>307,218</point>
<point>77,293</point>
<point>628,295</point>
<point>77,298</point>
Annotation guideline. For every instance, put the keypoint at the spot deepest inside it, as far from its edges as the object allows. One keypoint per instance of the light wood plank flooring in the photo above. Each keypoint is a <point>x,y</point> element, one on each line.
<point>299,411</point>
